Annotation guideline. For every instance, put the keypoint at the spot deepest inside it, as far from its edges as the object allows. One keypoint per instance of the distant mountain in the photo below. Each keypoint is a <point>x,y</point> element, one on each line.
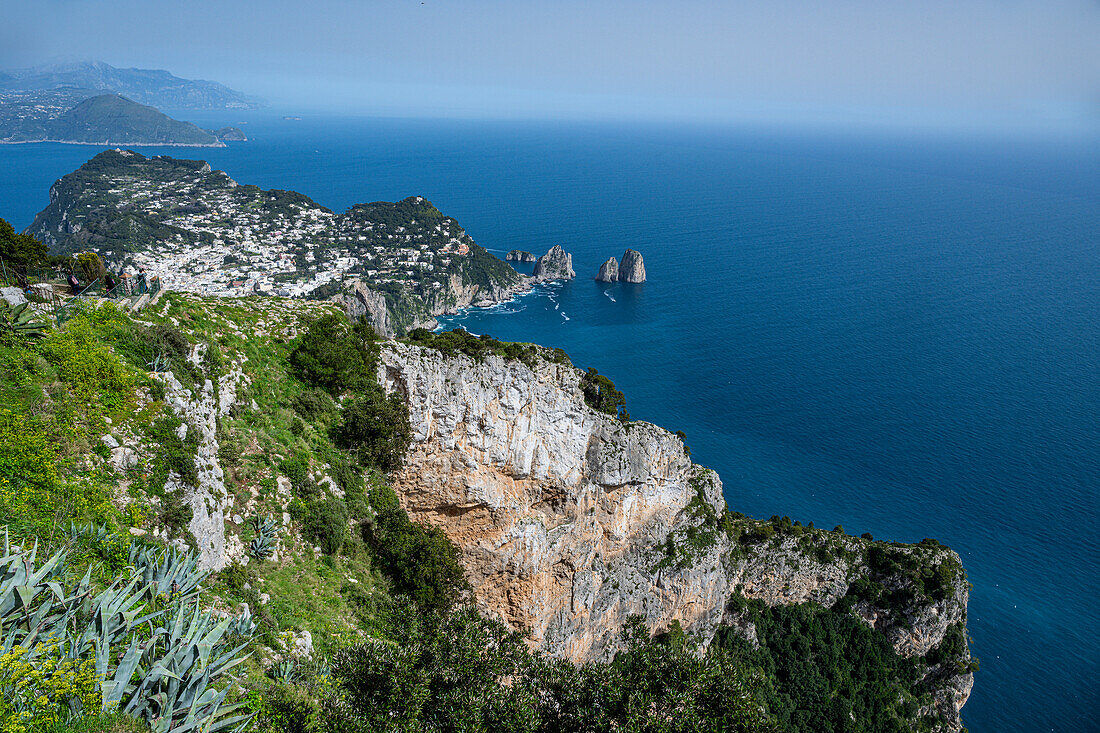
<point>154,87</point>
<point>106,119</point>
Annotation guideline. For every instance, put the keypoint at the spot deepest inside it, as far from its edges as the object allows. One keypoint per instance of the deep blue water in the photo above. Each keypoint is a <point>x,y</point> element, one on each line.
<point>896,334</point>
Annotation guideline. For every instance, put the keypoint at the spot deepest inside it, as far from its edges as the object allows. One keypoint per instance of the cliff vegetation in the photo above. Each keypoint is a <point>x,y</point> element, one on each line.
<point>229,482</point>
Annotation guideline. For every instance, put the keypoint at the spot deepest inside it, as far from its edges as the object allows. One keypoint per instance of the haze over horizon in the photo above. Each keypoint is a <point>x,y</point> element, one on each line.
<point>971,63</point>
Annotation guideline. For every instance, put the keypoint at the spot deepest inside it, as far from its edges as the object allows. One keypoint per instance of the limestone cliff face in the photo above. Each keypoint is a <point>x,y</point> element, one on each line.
<point>632,268</point>
<point>360,301</point>
<point>557,264</point>
<point>208,499</point>
<point>519,255</point>
<point>564,514</point>
<point>609,271</point>
<point>557,507</point>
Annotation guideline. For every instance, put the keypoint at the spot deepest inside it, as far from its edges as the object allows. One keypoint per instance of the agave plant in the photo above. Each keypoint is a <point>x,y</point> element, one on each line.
<point>261,547</point>
<point>169,573</point>
<point>170,658</point>
<point>264,525</point>
<point>160,363</point>
<point>284,671</point>
<point>16,320</point>
<point>263,544</point>
<point>97,534</point>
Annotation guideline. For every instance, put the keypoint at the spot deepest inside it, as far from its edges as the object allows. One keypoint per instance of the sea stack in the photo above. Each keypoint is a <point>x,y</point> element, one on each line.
<point>632,268</point>
<point>519,255</point>
<point>609,271</point>
<point>557,264</point>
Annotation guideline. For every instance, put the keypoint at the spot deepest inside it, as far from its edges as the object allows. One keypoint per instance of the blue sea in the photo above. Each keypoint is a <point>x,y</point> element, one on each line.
<point>896,333</point>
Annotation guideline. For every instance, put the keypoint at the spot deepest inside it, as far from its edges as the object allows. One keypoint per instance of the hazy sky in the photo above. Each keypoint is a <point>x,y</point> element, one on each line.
<point>1029,62</point>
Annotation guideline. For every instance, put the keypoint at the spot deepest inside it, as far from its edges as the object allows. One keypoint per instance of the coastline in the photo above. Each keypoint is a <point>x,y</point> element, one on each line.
<point>218,144</point>
<point>529,286</point>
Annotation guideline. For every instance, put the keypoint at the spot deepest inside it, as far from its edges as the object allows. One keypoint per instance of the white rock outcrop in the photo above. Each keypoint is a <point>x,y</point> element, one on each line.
<point>208,500</point>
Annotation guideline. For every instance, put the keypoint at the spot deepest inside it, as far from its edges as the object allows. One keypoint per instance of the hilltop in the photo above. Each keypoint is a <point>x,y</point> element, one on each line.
<point>70,116</point>
<point>398,264</point>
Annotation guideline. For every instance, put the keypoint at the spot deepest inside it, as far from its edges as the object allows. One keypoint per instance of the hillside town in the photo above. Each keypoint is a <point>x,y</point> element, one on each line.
<point>202,232</point>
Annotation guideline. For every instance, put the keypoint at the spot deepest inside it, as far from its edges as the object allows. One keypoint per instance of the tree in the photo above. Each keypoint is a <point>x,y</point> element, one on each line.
<point>601,394</point>
<point>435,673</point>
<point>419,560</point>
<point>334,355</point>
<point>89,267</point>
<point>376,428</point>
<point>663,684</point>
<point>19,251</point>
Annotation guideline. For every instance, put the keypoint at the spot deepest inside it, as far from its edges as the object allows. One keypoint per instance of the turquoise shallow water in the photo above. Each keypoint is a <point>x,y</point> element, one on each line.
<point>899,335</point>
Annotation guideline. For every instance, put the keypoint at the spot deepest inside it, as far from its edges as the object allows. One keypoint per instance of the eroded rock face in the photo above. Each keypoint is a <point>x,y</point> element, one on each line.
<point>557,264</point>
<point>609,271</point>
<point>519,255</point>
<point>208,500</point>
<point>562,512</point>
<point>360,301</point>
<point>632,268</point>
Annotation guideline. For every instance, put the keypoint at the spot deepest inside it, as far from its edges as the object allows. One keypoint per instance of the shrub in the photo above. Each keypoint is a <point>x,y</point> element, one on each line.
<point>296,469</point>
<point>419,560</point>
<point>334,355</point>
<point>377,429</point>
<point>437,672</point>
<point>93,373</point>
<point>461,341</point>
<point>326,523</point>
<point>314,405</point>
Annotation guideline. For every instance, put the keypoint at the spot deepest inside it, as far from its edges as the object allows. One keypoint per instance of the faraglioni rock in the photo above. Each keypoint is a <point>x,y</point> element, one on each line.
<point>632,268</point>
<point>609,271</point>
<point>519,255</point>
<point>557,264</point>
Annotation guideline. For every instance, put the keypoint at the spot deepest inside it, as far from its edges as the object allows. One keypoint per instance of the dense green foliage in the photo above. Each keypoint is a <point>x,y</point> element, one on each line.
<point>19,251</point>
<point>376,428</point>
<point>825,669</point>
<point>334,355</point>
<point>460,341</point>
<point>418,559</point>
<point>601,394</point>
<point>462,672</point>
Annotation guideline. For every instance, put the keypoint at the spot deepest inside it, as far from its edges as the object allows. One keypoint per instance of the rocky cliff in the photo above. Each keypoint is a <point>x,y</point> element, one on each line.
<point>609,271</point>
<point>632,268</point>
<point>557,264</point>
<point>570,520</point>
<point>519,255</point>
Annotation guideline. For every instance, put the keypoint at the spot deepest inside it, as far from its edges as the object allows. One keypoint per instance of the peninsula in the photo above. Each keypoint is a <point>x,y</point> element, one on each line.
<point>397,264</point>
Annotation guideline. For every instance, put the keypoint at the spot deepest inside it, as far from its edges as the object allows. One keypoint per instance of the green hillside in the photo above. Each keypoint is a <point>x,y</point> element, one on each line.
<point>111,119</point>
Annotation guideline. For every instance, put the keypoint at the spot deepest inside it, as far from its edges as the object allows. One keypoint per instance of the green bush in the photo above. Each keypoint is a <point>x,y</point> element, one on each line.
<point>418,559</point>
<point>95,375</point>
<point>314,405</point>
<point>825,670</point>
<point>334,355</point>
<point>460,341</point>
<point>376,428</point>
<point>435,673</point>
<point>601,394</point>
<point>325,522</point>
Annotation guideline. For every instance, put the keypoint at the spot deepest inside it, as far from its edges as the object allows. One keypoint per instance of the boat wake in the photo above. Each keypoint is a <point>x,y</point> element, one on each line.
<point>610,296</point>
